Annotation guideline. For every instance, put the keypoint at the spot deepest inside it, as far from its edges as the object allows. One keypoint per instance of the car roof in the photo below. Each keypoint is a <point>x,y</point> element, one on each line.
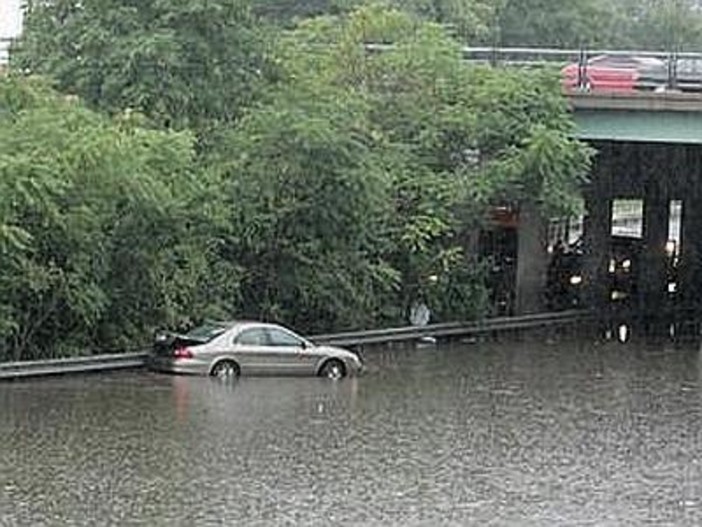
<point>231,324</point>
<point>227,323</point>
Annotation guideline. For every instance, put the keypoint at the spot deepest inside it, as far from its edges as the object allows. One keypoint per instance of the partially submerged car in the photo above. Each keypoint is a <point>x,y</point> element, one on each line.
<point>230,349</point>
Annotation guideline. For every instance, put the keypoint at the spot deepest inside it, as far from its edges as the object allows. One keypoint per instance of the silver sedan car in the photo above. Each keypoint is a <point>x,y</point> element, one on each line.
<point>230,349</point>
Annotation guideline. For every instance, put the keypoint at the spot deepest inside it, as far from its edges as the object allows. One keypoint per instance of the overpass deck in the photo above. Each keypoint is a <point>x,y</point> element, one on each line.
<point>651,117</point>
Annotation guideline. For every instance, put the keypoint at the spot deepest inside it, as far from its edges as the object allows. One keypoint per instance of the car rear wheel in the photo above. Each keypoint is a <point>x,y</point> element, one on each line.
<point>225,369</point>
<point>333,369</point>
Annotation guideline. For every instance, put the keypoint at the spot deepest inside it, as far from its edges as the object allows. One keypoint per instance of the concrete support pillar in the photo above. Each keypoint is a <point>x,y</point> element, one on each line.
<point>597,238</point>
<point>690,266</point>
<point>532,260</point>
<point>597,234</point>
<point>652,273</point>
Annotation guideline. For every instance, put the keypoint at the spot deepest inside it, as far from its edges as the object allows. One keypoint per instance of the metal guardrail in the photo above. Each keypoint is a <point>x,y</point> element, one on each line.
<point>111,362</point>
<point>122,361</point>
<point>453,329</point>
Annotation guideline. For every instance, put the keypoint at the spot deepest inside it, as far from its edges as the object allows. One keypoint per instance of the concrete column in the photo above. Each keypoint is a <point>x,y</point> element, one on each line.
<point>532,260</point>
<point>690,266</point>
<point>597,238</point>
<point>653,284</point>
<point>597,232</point>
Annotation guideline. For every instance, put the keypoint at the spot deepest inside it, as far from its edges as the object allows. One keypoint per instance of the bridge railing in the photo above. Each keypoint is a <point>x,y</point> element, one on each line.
<point>647,70</point>
<point>650,70</point>
<point>583,69</point>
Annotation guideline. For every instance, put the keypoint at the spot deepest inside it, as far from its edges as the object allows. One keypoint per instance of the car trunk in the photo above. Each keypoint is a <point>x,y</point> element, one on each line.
<point>166,344</point>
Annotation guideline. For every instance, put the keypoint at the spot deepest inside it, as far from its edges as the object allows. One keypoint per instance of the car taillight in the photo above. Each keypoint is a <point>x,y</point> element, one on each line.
<point>182,353</point>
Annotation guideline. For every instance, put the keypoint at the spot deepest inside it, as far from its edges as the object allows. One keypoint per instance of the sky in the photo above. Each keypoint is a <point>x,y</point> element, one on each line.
<point>10,18</point>
<point>10,24</point>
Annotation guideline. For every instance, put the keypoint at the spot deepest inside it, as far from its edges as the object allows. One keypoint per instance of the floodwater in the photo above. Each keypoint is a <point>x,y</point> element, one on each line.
<point>473,434</point>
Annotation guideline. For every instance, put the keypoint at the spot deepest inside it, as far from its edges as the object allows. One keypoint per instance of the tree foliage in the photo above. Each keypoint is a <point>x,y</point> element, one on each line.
<point>308,193</point>
<point>334,195</point>
<point>548,23</point>
<point>665,25</point>
<point>97,243</point>
<point>416,144</point>
<point>669,25</point>
<point>183,63</point>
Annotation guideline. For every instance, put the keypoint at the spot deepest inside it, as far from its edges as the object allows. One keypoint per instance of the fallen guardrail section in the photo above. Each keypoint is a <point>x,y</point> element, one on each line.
<point>37,368</point>
<point>122,361</point>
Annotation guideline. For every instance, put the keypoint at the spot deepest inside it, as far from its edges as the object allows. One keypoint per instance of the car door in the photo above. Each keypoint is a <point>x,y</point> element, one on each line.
<point>293,355</point>
<point>252,352</point>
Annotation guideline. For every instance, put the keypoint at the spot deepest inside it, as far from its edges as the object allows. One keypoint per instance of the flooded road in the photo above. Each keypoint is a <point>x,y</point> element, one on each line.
<point>473,434</point>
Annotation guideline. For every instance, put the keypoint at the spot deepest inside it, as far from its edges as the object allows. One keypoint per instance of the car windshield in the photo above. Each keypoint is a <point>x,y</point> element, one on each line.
<point>206,332</point>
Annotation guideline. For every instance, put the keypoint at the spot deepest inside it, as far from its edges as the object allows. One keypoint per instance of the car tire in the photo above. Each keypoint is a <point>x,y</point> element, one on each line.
<point>333,369</point>
<point>225,369</point>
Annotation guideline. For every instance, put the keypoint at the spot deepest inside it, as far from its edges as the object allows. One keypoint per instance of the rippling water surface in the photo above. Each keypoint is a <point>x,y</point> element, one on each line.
<point>473,434</point>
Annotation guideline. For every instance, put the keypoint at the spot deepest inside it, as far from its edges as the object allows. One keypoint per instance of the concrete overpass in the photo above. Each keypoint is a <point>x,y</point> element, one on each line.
<point>649,148</point>
<point>649,117</point>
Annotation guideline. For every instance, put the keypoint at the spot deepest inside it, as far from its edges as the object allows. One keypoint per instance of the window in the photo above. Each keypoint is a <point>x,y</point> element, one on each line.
<point>252,337</point>
<point>627,218</point>
<point>206,332</point>
<point>283,338</point>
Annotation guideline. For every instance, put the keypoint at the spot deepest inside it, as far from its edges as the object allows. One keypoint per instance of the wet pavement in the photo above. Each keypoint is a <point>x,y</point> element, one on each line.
<point>472,434</point>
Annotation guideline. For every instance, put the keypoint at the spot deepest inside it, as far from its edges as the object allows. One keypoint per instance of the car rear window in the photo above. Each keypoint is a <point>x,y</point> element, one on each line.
<point>205,332</point>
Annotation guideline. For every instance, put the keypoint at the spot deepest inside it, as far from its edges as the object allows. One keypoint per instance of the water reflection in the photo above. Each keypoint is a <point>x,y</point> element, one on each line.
<point>623,331</point>
<point>488,434</point>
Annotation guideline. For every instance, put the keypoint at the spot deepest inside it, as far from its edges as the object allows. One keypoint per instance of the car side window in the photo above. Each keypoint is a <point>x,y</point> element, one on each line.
<point>282,338</point>
<point>252,337</point>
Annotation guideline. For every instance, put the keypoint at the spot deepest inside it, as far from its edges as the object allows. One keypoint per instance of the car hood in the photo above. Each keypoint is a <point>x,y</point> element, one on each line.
<point>337,352</point>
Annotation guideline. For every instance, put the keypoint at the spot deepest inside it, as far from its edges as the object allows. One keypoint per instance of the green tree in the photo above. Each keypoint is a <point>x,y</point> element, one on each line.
<point>183,63</point>
<point>308,194</point>
<point>465,19</point>
<point>289,12</point>
<point>668,25</point>
<point>97,240</point>
<point>551,23</point>
<point>454,140</point>
<point>340,198</point>
<point>630,24</point>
